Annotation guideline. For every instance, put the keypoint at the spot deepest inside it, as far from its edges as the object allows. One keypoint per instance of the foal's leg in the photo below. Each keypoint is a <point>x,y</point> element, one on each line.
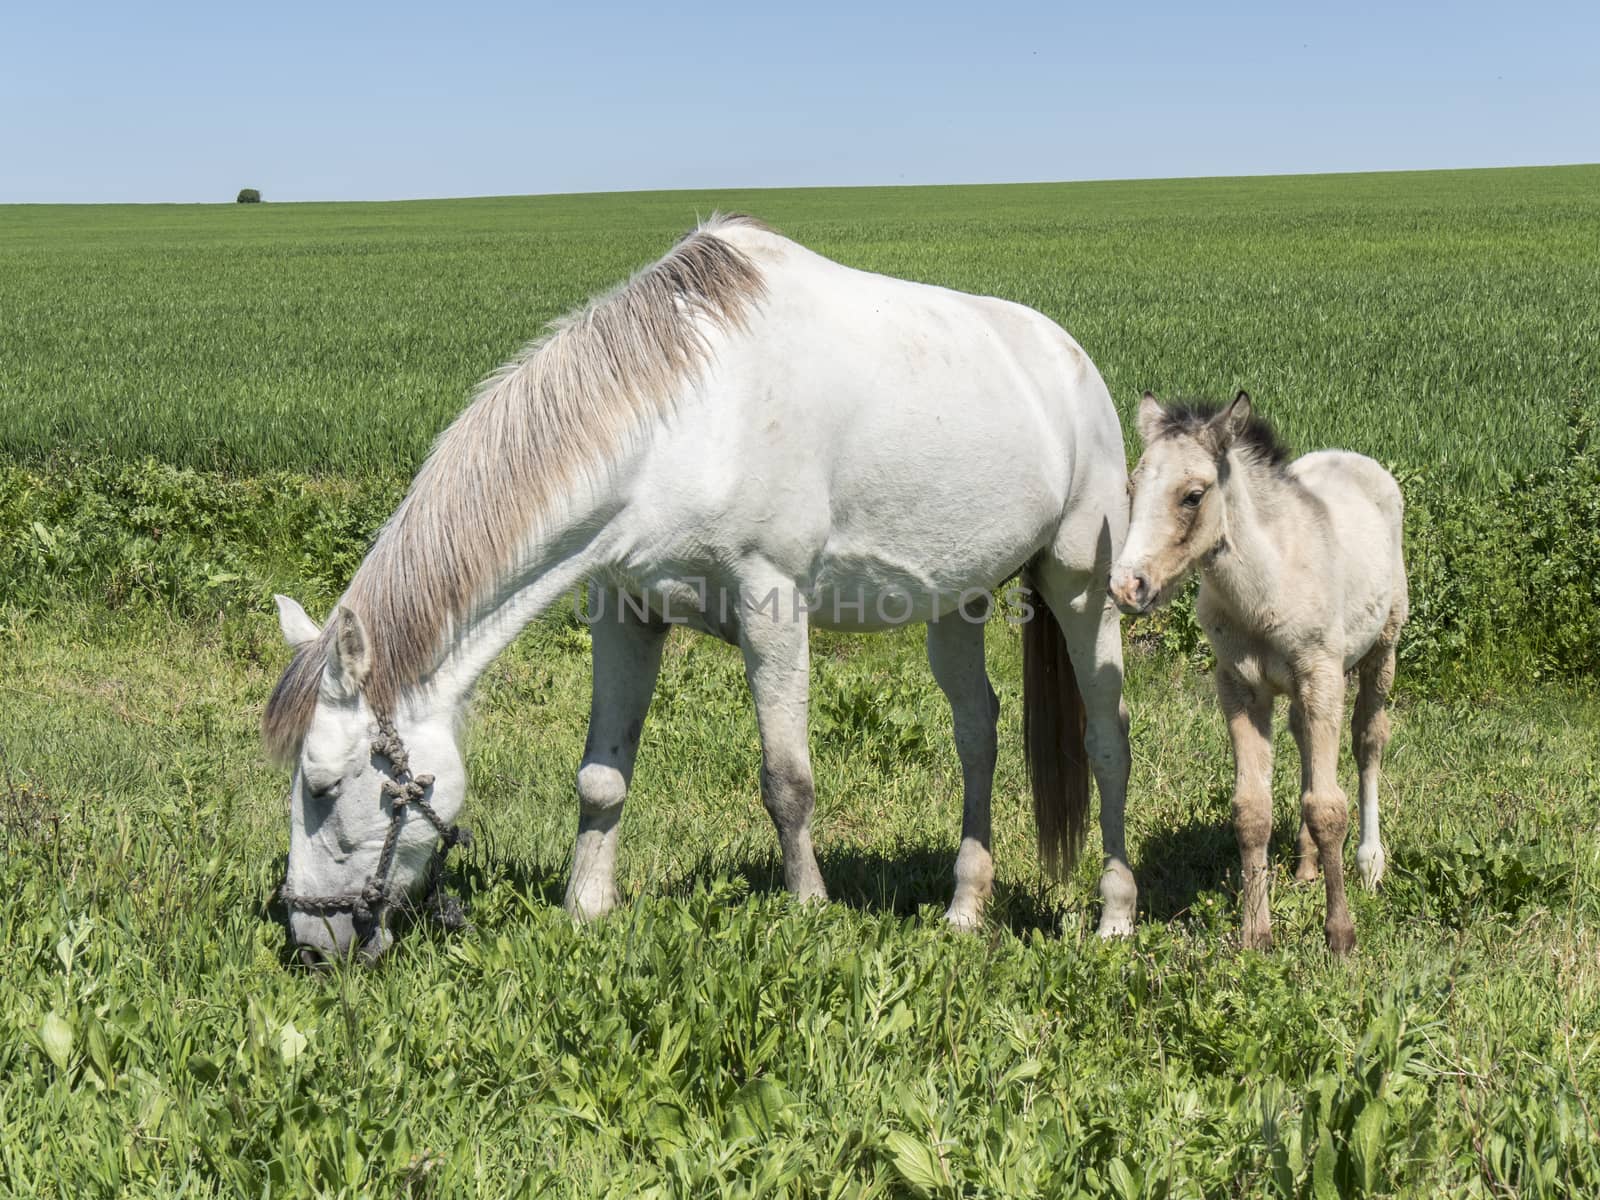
<point>1093,631</point>
<point>1249,714</point>
<point>1369,736</point>
<point>627,658</point>
<point>1320,692</point>
<point>955,652</point>
<point>777,660</point>
<point>1306,846</point>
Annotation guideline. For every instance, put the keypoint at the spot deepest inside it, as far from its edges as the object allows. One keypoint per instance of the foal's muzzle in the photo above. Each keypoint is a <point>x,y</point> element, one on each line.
<point>1133,591</point>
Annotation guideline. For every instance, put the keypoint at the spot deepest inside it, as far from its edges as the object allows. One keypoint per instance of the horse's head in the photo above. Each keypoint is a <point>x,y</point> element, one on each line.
<point>353,854</point>
<point>1177,514</point>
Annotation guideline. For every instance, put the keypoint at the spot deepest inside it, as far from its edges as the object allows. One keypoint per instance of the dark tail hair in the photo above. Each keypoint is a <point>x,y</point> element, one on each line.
<point>1052,734</point>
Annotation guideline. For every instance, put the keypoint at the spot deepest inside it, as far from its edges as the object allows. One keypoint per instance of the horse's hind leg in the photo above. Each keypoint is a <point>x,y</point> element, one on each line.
<point>1092,629</point>
<point>955,652</point>
<point>777,659</point>
<point>1305,845</point>
<point>1319,689</point>
<point>627,658</point>
<point>1369,736</point>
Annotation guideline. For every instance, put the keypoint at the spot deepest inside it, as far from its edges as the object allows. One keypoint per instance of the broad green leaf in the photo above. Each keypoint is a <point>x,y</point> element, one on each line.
<point>291,1042</point>
<point>1367,1142</point>
<point>915,1161</point>
<point>55,1035</point>
<point>1323,1166</point>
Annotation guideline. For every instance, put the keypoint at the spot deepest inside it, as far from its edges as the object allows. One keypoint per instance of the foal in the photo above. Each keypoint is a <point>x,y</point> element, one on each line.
<point>1302,580</point>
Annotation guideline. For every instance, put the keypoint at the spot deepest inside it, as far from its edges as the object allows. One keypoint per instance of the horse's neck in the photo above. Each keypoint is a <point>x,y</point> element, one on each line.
<point>551,567</point>
<point>1247,568</point>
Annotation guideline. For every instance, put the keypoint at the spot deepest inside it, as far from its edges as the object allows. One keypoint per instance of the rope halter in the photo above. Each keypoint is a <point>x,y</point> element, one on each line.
<point>372,901</point>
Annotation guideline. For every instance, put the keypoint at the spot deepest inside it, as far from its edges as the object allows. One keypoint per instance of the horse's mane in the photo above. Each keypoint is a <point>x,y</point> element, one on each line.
<point>550,419</point>
<point>1258,439</point>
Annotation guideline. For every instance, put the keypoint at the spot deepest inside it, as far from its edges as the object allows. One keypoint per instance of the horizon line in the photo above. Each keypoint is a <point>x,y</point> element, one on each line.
<point>813,187</point>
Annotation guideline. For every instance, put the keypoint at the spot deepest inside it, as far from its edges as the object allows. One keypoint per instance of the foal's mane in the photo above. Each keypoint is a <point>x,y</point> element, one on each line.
<point>1258,439</point>
<point>549,420</point>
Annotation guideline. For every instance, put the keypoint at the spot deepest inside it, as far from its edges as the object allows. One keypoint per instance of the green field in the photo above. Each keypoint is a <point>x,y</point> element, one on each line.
<point>1437,320</point>
<point>201,405</point>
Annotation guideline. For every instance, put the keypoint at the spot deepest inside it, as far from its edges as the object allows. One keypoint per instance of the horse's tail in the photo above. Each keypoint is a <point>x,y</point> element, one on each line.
<point>1052,733</point>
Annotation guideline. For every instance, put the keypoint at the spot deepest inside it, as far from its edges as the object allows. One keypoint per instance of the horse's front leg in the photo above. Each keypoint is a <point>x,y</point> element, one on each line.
<point>777,662</point>
<point>955,652</point>
<point>1249,714</point>
<point>627,658</point>
<point>1320,692</point>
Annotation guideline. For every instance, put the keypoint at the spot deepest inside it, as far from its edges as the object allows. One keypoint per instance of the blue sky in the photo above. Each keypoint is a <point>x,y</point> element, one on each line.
<point>333,101</point>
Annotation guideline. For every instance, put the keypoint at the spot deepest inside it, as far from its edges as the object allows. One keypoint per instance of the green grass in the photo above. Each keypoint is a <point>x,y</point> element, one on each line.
<point>1438,320</point>
<point>713,1038</point>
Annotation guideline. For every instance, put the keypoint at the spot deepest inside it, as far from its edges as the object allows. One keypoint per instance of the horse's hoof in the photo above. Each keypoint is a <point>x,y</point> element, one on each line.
<point>588,908</point>
<point>1112,926</point>
<point>964,920</point>
<point>1256,939</point>
<point>1306,872</point>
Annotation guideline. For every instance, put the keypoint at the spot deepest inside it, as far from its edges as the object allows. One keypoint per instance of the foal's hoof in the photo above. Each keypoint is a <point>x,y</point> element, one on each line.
<point>1341,938</point>
<point>1307,871</point>
<point>1370,863</point>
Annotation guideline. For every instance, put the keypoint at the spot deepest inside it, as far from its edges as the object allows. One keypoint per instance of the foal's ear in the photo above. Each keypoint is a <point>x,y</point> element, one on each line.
<point>350,657</point>
<point>1229,424</point>
<point>1151,415</point>
<point>297,627</point>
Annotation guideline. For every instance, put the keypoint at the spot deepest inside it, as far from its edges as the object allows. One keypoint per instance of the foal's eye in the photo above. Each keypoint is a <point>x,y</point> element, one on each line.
<point>1192,499</point>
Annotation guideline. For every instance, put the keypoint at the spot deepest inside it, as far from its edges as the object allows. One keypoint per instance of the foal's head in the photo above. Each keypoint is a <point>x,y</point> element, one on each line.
<point>339,811</point>
<point>1177,513</point>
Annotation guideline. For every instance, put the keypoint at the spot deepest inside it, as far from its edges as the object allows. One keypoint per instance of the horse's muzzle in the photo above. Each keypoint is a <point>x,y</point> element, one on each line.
<point>322,939</point>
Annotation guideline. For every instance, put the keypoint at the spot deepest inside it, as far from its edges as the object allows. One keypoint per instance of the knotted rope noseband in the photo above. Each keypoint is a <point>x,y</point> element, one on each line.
<point>377,896</point>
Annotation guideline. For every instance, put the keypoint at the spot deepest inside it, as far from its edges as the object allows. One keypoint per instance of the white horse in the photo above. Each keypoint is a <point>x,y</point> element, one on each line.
<point>1302,580</point>
<point>753,440</point>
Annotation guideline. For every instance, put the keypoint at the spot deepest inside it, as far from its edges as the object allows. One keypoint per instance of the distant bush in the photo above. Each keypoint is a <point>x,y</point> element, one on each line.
<point>248,196</point>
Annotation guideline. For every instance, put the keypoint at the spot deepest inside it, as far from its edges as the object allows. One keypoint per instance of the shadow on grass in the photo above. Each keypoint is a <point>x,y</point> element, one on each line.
<point>901,882</point>
<point>1177,866</point>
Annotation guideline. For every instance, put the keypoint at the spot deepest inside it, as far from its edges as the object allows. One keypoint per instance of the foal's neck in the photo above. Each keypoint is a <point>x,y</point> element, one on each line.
<point>1246,567</point>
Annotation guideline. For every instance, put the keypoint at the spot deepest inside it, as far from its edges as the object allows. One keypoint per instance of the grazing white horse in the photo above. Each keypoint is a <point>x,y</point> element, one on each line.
<point>1302,580</point>
<point>753,440</point>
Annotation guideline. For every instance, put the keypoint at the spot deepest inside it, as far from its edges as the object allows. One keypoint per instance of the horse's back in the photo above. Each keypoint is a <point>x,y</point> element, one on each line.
<point>883,432</point>
<point>1366,512</point>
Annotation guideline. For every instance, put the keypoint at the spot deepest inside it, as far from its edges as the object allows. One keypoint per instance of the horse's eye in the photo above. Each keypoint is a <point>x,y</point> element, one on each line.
<point>1192,499</point>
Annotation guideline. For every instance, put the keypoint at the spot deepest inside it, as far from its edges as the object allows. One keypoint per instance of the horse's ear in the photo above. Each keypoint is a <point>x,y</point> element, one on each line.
<point>1151,415</point>
<point>1229,425</point>
<point>350,657</point>
<point>297,627</point>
